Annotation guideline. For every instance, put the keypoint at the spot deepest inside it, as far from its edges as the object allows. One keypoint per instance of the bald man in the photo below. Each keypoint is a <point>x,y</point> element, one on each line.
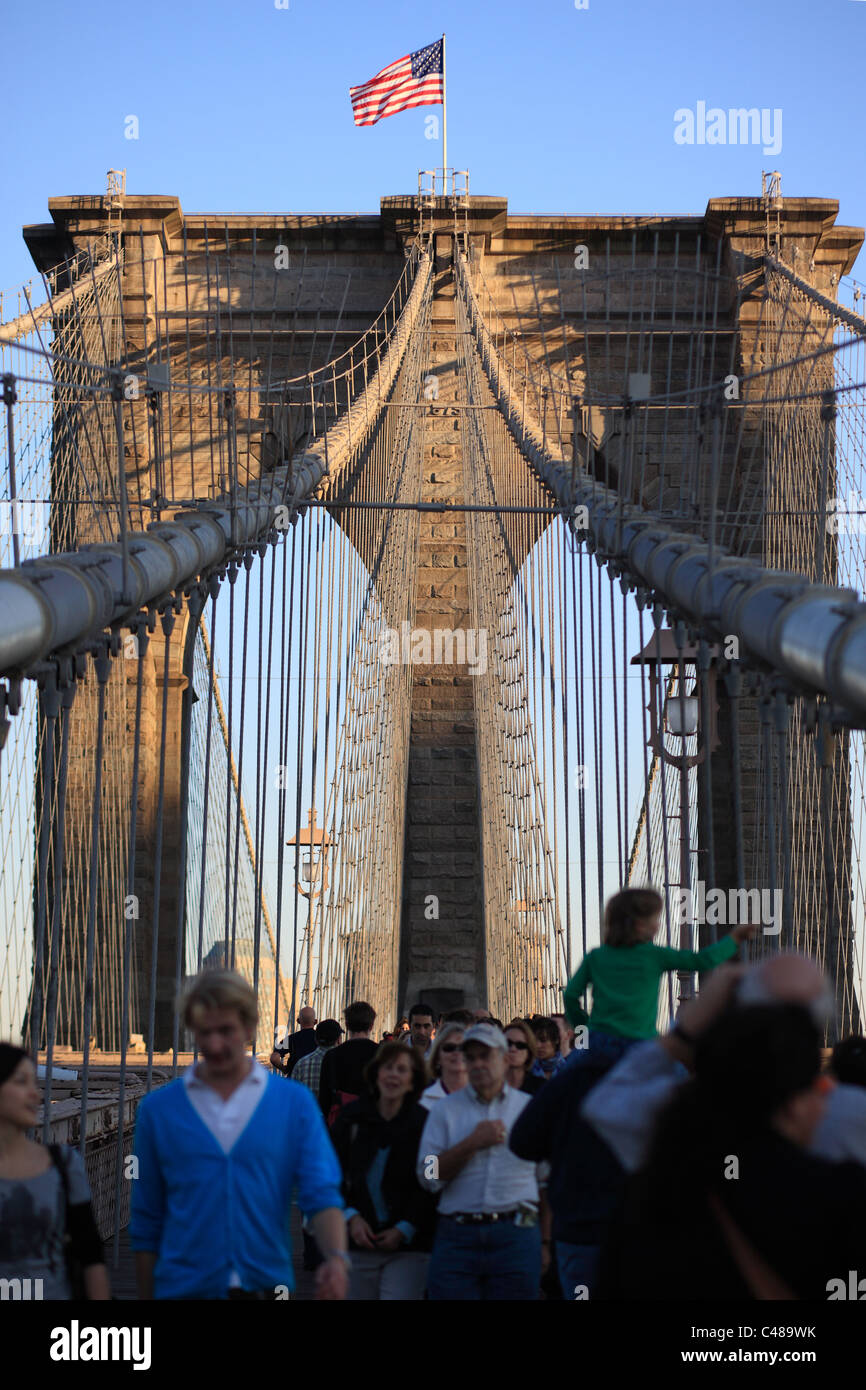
<point>623,1107</point>
<point>298,1045</point>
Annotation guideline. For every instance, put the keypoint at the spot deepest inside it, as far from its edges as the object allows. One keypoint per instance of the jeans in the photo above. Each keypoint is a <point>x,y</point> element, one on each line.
<point>602,1045</point>
<point>500,1262</point>
<point>578,1265</point>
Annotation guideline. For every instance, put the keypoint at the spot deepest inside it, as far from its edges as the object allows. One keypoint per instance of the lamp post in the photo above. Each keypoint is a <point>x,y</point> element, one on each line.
<point>313,870</point>
<point>681,718</point>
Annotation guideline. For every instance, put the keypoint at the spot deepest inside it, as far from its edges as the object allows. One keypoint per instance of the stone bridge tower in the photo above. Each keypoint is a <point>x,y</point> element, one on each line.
<point>350,265</point>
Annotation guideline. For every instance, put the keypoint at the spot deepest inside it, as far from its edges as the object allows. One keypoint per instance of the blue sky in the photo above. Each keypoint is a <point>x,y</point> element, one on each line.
<point>245,107</point>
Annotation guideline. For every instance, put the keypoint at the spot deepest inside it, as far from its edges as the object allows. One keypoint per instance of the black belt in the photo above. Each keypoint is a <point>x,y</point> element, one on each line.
<point>257,1295</point>
<point>480,1218</point>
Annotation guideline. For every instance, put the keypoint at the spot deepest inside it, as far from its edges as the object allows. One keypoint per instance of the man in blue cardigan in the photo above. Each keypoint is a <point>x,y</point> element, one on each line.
<point>220,1152</point>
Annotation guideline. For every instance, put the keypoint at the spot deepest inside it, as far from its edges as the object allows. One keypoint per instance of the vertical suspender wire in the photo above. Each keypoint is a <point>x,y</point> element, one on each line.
<point>578,562</point>
<point>143,638</point>
<point>625,726</point>
<point>825,757</point>
<point>595,615</point>
<point>189,391</point>
<point>9,399</point>
<point>250,358</point>
<point>101,666</point>
<point>50,702</point>
<point>686,977</point>
<point>67,695</point>
<point>329,813</point>
<point>213,342</point>
<point>214,591</point>
<point>315,903</point>
<point>247,562</point>
<point>647,697</point>
<point>228,394</point>
<point>261,698</point>
<point>781,721</point>
<point>232,574</point>
<point>169,484</point>
<point>167,628</point>
<point>769,790</point>
<point>650,335</point>
<point>285,718</point>
<point>339,815</point>
<point>196,604</point>
<point>302,679</point>
<point>657,696</point>
<point>648,759</point>
<point>707,770</point>
<point>566,705</point>
<point>550,879</point>
<point>117,395</point>
<point>262,781</point>
<point>101,452</point>
<point>733,687</point>
<point>620,836</point>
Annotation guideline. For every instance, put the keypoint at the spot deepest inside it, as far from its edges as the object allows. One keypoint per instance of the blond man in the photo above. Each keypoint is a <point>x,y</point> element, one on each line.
<point>220,1151</point>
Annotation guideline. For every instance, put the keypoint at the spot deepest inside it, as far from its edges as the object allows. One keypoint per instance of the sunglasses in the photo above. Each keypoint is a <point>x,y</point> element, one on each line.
<point>520,1046</point>
<point>451,1047</point>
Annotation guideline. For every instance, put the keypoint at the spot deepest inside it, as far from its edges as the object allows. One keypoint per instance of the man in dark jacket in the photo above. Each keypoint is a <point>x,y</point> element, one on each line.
<point>342,1078</point>
<point>297,1045</point>
<point>586,1181</point>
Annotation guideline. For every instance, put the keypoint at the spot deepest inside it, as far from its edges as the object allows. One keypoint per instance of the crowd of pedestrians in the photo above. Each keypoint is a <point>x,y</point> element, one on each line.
<point>461,1157</point>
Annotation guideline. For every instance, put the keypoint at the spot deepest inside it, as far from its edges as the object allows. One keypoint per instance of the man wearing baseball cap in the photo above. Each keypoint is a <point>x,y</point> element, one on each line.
<point>488,1241</point>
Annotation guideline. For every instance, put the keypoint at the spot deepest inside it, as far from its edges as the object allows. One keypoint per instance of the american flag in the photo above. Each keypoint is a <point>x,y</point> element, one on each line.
<point>416,80</point>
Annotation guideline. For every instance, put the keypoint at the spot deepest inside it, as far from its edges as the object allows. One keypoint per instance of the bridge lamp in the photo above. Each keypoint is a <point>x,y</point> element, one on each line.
<point>681,714</point>
<point>681,718</point>
<point>315,844</point>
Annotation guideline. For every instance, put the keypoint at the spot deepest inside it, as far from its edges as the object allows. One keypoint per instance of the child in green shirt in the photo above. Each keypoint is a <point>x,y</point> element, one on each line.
<point>625,971</point>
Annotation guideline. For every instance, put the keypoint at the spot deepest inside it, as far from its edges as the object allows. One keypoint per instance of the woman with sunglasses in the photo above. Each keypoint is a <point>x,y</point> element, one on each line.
<point>521,1055</point>
<point>447,1063</point>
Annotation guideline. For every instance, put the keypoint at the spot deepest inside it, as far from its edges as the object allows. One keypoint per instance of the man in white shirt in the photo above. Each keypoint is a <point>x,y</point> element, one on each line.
<point>488,1241</point>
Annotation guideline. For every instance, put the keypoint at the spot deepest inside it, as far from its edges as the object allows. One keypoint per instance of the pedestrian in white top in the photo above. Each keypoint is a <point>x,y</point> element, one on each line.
<point>488,1242</point>
<point>447,1064</point>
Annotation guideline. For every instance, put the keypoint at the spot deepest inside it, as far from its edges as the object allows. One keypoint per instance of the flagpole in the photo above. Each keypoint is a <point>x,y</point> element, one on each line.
<point>444,121</point>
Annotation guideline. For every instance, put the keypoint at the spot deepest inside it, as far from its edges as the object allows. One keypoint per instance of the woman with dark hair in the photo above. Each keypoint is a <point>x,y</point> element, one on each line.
<point>390,1217</point>
<point>520,1057</point>
<point>548,1058</point>
<point>730,1204</point>
<point>46,1219</point>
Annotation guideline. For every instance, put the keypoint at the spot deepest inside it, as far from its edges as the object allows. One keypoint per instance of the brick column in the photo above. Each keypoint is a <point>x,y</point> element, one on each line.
<point>442,957</point>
